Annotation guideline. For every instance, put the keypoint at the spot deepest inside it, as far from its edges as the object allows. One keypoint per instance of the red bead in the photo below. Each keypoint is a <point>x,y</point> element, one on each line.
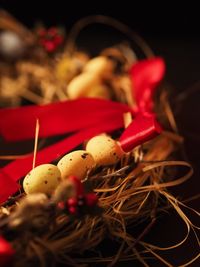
<point>91,199</point>
<point>6,253</point>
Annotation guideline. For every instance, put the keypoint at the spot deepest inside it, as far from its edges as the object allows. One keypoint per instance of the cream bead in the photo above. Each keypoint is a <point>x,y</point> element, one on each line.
<point>104,150</point>
<point>76,163</point>
<point>42,179</point>
<point>99,66</point>
<point>81,85</point>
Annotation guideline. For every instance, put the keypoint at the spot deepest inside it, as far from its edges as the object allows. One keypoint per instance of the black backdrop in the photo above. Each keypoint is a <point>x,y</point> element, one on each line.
<point>154,19</point>
<point>172,32</point>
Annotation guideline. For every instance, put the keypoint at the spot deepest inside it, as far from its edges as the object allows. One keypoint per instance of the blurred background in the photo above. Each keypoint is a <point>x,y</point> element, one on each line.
<point>173,33</point>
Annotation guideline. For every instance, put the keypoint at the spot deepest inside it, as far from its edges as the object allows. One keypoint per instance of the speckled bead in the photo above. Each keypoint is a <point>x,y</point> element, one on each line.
<point>76,163</point>
<point>104,150</point>
<point>42,179</point>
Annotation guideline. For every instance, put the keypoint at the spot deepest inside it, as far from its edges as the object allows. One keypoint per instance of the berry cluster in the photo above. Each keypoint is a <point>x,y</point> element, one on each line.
<point>76,203</point>
<point>81,202</point>
<point>50,39</point>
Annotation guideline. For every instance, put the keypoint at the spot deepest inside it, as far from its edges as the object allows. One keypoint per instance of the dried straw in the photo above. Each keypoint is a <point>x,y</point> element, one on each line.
<point>129,193</point>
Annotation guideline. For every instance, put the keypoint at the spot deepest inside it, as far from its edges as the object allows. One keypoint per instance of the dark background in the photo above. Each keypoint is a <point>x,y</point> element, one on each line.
<point>172,32</point>
<point>153,19</point>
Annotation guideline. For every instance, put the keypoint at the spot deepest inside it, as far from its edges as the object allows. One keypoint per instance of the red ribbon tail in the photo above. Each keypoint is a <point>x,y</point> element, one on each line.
<point>143,128</point>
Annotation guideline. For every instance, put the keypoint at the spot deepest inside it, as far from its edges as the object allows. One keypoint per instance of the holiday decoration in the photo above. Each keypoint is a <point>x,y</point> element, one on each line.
<point>102,149</point>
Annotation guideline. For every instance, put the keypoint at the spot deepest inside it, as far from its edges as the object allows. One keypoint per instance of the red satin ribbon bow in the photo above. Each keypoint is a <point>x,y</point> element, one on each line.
<point>83,119</point>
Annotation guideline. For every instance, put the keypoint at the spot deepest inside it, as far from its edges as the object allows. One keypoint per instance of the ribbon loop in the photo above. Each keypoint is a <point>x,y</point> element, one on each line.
<point>145,76</point>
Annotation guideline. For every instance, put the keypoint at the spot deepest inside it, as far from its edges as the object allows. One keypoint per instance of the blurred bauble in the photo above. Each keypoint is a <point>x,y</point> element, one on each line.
<point>12,45</point>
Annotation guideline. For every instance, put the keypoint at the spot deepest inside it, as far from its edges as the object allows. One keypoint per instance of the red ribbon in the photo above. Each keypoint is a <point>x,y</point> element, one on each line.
<point>83,118</point>
<point>146,75</point>
<point>144,128</point>
<point>58,118</point>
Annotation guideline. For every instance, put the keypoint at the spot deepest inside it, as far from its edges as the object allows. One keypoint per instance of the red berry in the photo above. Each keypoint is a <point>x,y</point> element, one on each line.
<point>72,202</point>
<point>61,205</point>
<point>49,46</point>
<point>6,252</point>
<point>78,185</point>
<point>72,210</point>
<point>74,179</point>
<point>58,40</point>
<point>91,199</point>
